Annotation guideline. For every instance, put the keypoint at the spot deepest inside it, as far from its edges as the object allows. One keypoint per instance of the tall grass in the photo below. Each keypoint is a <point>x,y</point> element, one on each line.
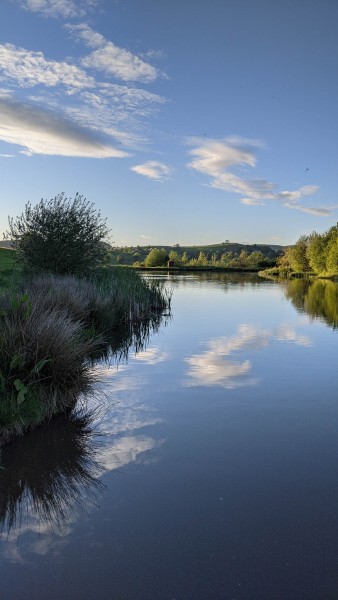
<point>54,327</point>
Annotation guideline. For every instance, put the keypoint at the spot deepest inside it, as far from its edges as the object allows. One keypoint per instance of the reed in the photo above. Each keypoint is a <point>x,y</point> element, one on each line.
<point>54,328</point>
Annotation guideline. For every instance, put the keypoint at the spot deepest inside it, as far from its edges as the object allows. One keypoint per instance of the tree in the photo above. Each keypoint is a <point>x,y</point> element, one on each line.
<point>156,258</point>
<point>332,251</point>
<point>317,251</point>
<point>175,257</point>
<point>298,255</point>
<point>185,258</point>
<point>60,235</point>
<point>202,259</point>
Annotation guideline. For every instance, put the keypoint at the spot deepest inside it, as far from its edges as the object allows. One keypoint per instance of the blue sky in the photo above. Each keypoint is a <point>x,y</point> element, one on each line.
<point>184,121</point>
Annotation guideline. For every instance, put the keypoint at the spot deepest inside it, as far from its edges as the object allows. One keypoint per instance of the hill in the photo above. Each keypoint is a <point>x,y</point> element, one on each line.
<point>128,255</point>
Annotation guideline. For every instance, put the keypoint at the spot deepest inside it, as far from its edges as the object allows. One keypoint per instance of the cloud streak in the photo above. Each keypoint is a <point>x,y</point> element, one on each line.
<point>221,161</point>
<point>27,69</point>
<point>153,170</point>
<point>112,59</point>
<point>41,132</point>
<point>66,9</point>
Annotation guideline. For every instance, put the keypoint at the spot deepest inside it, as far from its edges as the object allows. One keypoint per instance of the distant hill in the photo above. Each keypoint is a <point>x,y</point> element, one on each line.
<point>5,244</point>
<point>128,255</point>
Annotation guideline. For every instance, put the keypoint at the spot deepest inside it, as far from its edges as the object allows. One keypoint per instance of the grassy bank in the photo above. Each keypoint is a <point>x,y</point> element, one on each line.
<point>287,273</point>
<point>53,328</point>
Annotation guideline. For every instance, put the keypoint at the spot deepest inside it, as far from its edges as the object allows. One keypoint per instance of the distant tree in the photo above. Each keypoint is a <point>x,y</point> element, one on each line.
<point>202,259</point>
<point>156,258</point>
<point>225,259</point>
<point>256,259</point>
<point>298,255</point>
<point>175,257</point>
<point>185,258</point>
<point>332,250</point>
<point>243,258</point>
<point>60,235</point>
<point>317,252</point>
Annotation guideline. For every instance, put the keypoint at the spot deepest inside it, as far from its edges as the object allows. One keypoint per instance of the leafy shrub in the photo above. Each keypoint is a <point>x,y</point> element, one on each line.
<point>60,235</point>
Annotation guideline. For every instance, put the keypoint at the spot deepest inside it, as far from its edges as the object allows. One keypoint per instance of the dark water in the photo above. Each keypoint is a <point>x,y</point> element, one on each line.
<point>215,474</point>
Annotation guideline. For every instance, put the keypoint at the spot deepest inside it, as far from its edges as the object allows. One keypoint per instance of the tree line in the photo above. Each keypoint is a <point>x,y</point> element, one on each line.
<point>316,253</point>
<point>158,257</point>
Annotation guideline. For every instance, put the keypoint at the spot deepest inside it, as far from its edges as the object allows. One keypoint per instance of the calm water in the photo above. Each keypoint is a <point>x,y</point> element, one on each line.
<point>215,474</point>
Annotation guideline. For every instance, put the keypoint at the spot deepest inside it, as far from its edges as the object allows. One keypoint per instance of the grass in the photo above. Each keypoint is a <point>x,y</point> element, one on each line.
<point>9,272</point>
<point>53,328</point>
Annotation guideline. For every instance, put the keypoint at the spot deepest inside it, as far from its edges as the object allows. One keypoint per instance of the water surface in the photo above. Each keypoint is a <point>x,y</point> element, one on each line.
<point>215,474</point>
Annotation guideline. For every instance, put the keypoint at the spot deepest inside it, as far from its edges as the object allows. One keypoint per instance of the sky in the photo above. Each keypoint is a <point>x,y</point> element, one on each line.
<point>183,121</point>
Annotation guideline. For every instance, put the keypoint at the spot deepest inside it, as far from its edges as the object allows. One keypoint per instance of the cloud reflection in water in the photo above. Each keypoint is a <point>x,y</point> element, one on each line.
<point>213,367</point>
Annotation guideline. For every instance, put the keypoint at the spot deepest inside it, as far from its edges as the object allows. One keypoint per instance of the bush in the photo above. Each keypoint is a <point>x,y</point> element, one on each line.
<point>60,235</point>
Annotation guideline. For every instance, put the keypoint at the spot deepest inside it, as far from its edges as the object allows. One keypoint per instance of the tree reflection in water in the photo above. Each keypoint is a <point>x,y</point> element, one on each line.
<point>318,298</point>
<point>49,471</point>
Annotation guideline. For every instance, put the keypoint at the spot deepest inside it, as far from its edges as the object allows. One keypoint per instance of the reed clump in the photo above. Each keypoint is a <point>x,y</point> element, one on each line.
<point>53,328</point>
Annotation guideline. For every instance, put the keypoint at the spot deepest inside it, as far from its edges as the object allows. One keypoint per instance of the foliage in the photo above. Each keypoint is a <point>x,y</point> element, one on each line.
<point>216,255</point>
<point>61,236</point>
<point>298,255</point>
<point>156,258</point>
<point>316,253</point>
<point>55,326</point>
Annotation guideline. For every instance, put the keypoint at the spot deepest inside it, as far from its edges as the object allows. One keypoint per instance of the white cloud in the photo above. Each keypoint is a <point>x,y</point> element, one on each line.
<point>219,159</point>
<point>112,59</point>
<point>42,132</point>
<point>115,110</point>
<point>59,8</point>
<point>153,170</point>
<point>28,69</point>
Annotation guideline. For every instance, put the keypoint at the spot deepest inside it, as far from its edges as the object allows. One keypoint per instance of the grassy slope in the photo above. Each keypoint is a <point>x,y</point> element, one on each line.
<point>128,255</point>
<point>6,259</point>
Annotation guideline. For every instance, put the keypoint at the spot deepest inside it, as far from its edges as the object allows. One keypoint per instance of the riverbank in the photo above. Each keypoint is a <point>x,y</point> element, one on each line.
<point>285,273</point>
<point>54,329</point>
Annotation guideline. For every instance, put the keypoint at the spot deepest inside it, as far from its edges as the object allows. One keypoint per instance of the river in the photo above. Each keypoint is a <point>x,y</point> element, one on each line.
<point>208,469</point>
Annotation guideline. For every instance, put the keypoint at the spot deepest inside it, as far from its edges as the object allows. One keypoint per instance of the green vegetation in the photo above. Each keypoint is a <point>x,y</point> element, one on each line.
<point>53,327</point>
<point>313,254</point>
<point>60,236</point>
<point>54,323</point>
<point>8,268</point>
<point>226,255</point>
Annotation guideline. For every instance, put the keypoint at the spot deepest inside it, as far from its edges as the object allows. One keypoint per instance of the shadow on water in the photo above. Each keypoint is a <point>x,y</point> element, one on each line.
<point>48,472</point>
<point>318,298</point>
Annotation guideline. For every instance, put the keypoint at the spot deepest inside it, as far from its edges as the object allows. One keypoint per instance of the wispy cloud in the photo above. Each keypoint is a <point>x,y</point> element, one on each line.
<point>222,160</point>
<point>39,131</point>
<point>27,69</point>
<point>112,59</point>
<point>153,170</point>
<point>115,110</point>
<point>66,9</point>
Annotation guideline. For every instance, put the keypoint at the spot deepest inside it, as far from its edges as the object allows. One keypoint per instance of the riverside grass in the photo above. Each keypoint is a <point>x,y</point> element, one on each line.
<point>53,328</point>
